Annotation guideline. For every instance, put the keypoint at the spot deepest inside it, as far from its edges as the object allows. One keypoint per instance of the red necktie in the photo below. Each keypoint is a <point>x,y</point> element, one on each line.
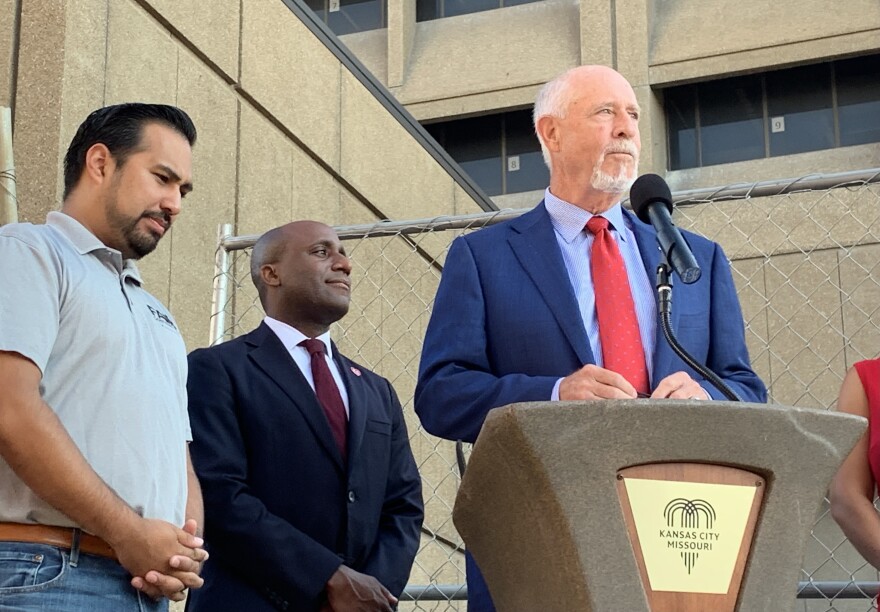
<point>622,350</point>
<point>327,392</point>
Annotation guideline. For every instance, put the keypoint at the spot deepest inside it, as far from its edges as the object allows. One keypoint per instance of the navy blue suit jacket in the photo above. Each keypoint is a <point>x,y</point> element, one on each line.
<point>282,511</point>
<point>506,326</point>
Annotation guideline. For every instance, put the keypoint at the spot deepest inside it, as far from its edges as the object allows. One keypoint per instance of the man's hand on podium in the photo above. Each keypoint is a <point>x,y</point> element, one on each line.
<point>680,386</point>
<point>593,382</point>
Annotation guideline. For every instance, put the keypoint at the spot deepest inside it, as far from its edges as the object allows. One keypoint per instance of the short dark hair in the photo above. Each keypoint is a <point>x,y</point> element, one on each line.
<point>119,128</point>
<point>268,249</point>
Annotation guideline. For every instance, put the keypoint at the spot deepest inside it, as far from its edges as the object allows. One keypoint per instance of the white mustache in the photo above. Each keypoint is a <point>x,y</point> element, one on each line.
<point>622,146</point>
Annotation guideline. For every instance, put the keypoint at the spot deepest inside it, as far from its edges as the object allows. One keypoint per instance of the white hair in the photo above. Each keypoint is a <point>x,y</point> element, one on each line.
<point>553,100</point>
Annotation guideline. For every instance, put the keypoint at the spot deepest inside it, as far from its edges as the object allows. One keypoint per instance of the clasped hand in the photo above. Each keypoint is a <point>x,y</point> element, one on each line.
<point>593,382</point>
<point>165,560</point>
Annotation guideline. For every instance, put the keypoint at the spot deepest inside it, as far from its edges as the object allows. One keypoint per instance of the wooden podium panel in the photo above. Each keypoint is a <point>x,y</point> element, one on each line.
<point>691,527</point>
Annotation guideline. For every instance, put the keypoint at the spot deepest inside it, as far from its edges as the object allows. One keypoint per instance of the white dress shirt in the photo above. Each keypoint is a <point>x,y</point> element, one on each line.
<point>291,337</point>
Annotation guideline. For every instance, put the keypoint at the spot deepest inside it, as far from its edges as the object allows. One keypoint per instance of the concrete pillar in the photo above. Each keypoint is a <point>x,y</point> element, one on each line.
<point>597,32</point>
<point>61,75</point>
<point>401,34</point>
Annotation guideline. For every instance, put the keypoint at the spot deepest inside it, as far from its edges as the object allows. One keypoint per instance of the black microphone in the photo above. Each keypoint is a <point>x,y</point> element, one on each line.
<point>652,202</point>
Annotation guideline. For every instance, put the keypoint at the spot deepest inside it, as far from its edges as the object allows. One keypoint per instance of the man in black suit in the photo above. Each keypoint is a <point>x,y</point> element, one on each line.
<point>312,497</point>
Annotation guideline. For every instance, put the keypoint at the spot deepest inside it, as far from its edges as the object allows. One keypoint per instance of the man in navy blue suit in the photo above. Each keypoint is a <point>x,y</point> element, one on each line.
<point>515,317</point>
<point>312,497</point>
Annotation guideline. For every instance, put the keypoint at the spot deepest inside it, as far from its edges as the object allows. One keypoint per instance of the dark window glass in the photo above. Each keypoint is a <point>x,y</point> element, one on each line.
<point>799,108</point>
<point>438,132</point>
<point>731,120</point>
<point>463,7</point>
<point>500,152</point>
<point>476,145</point>
<point>682,127</point>
<point>524,164</point>
<point>356,16</point>
<point>319,7</point>
<point>351,15</point>
<point>436,9</point>
<point>794,109</point>
<point>858,100</point>
<point>428,9</point>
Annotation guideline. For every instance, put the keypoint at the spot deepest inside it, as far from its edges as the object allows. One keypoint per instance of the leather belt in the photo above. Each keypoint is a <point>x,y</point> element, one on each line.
<point>62,537</point>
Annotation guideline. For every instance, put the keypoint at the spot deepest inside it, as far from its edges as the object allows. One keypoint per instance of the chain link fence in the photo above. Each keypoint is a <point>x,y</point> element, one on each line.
<point>804,254</point>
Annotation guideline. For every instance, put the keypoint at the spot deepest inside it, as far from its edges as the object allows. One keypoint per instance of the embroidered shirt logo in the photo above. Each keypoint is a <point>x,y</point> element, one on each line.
<point>162,317</point>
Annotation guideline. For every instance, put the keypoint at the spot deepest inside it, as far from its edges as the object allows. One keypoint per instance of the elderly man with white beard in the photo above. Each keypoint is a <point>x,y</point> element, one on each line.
<point>558,304</point>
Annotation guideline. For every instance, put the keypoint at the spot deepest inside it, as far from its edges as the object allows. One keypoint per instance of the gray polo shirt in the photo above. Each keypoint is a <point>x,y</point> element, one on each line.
<point>113,365</point>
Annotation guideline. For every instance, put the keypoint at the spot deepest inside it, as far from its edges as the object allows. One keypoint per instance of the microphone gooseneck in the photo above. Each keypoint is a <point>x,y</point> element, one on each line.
<point>651,200</point>
<point>664,293</point>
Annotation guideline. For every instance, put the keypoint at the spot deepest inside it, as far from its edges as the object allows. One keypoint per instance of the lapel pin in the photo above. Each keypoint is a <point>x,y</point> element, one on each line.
<point>355,371</point>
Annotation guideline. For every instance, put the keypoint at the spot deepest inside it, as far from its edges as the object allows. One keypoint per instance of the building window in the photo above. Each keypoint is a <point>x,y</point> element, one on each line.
<point>800,110</point>
<point>731,132</point>
<point>437,9</point>
<point>858,100</point>
<point>349,16</point>
<point>809,108</point>
<point>500,152</point>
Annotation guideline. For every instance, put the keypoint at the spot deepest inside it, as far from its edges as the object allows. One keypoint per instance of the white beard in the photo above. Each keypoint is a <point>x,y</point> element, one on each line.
<point>623,180</point>
<point>613,183</point>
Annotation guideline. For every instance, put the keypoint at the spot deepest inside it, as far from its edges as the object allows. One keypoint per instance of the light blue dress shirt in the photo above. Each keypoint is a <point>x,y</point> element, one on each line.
<point>575,242</point>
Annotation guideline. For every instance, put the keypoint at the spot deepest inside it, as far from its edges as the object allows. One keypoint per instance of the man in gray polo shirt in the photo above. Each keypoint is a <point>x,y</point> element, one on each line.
<point>99,506</point>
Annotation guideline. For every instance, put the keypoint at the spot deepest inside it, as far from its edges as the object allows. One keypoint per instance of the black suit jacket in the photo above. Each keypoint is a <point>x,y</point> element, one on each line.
<point>282,512</point>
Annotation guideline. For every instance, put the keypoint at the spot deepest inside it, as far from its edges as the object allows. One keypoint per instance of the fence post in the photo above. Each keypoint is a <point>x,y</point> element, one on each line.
<point>8,207</point>
<point>221,286</point>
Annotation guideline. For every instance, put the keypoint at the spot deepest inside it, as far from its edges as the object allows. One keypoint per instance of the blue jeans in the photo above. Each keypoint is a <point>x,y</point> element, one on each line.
<point>40,578</point>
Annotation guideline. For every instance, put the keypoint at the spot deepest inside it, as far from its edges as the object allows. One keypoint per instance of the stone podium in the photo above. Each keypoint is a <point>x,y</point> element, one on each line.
<point>543,505</point>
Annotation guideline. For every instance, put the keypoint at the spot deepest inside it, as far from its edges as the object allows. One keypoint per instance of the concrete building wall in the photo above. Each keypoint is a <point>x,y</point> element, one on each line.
<point>285,130</point>
<point>497,60</point>
<point>753,35</point>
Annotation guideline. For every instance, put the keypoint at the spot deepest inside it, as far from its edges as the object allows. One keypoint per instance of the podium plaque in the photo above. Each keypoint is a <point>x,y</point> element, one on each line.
<point>691,528</point>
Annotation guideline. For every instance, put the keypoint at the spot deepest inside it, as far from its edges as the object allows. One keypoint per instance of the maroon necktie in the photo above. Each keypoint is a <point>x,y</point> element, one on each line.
<point>622,350</point>
<point>327,392</point>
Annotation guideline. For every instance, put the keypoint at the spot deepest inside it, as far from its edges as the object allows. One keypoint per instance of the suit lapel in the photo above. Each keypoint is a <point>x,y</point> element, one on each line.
<point>357,406</point>
<point>533,241</point>
<point>272,358</point>
<point>646,238</point>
